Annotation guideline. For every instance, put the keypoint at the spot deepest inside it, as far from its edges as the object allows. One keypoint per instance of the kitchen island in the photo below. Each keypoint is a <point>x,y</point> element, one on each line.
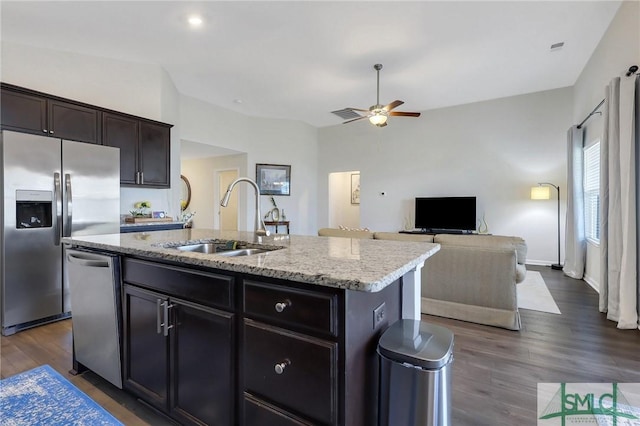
<point>284,337</point>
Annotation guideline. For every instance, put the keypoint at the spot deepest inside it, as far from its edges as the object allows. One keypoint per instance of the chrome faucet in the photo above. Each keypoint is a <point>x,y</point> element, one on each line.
<point>260,229</point>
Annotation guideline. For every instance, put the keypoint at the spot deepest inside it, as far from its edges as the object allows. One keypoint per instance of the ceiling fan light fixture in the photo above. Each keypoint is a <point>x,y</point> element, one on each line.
<point>378,118</point>
<point>377,114</point>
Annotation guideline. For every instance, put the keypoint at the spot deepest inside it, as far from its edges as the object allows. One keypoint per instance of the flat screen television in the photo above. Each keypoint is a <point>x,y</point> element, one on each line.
<point>446,214</point>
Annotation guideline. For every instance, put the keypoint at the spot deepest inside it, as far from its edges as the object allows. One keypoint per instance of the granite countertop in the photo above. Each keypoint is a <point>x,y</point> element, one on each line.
<point>354,264</point>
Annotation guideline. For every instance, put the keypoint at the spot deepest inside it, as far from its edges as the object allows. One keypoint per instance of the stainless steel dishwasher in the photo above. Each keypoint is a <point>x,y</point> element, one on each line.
<point>94,285</point>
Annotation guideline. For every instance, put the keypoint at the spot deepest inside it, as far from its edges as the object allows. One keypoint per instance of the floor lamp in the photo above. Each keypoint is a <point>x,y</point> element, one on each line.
<point>542,193</point>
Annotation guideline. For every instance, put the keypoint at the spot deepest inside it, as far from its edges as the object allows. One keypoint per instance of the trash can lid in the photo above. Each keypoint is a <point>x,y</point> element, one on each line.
<point>417,343</point>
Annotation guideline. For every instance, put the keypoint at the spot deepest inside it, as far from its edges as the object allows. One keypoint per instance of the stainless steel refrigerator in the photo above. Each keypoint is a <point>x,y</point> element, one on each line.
<point>51,188</point>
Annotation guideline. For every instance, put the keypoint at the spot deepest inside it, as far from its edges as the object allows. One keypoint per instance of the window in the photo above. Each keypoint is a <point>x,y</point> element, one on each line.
<point>592,191</point>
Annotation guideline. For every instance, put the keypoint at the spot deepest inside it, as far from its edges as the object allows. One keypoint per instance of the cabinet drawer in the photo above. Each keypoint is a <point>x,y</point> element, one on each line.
<point>295,372</point>
<point>297,309</point>
<point>258,412</point>
<point>206,288</point>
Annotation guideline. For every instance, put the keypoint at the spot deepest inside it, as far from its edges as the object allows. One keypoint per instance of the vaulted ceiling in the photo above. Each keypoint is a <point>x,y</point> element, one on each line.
<point>302,59</point>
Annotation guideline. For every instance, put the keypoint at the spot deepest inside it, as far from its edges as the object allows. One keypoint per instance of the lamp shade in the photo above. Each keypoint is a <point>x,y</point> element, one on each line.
<point>540,193</point>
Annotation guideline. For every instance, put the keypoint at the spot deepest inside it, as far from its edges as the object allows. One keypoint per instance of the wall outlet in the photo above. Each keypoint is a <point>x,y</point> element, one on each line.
<point>378,315</point>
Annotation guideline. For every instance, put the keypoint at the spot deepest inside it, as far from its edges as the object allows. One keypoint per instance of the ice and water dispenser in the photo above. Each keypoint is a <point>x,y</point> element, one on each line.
<point>34,209</point>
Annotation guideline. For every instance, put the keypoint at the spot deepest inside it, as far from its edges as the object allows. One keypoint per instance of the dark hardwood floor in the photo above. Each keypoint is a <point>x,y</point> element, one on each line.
<point>495,372</point>
<point>51,344</point>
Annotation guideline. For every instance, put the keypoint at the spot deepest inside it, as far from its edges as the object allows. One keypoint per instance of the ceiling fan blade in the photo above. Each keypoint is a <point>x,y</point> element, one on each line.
<point>393,105</point>
<point>355,119</point>
<point>357,109</point>
<point>404,114</point>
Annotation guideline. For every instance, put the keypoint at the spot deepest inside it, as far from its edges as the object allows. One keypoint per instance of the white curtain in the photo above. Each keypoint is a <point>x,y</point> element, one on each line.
<point>575,245</point>
<point>618,207</point>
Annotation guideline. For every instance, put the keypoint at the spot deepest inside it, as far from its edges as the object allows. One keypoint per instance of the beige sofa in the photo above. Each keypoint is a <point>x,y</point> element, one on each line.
<point>472,278</point>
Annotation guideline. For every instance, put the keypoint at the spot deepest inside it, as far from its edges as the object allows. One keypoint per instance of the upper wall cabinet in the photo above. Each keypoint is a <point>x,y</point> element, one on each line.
<point>154,154</point>
<point>31,113</point>
<point>145,145</point>
<point>144,149</point>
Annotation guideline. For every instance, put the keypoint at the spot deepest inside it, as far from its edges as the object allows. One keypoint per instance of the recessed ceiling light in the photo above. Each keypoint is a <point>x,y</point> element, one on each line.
<point>195,21</point>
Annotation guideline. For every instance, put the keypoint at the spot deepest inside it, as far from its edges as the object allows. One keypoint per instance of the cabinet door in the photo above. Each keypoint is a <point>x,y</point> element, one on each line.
<point>123,132</point>
<point>73,122</point>
<point>146,352</point>
<point>23,113</point>
<point>295,372</point>
<point>154,150</point>
<point>202,365</point>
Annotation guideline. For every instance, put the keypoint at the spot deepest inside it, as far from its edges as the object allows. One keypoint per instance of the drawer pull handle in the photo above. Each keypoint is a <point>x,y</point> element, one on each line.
<point>279,368</point>
<point>281,306</point>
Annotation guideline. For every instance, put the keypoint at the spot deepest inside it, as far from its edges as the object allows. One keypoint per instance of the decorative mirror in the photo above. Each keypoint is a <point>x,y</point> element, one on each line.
<point>185,193</point>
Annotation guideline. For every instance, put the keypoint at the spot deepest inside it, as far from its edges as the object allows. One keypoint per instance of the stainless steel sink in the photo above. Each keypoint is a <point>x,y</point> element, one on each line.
<point>243,252</point>
<point>201,248</point>
<point>221,249</point>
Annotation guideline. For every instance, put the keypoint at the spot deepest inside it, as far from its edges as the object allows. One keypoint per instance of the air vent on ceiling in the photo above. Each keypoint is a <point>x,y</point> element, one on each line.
<point>556,46</point>
<point>346,114</point>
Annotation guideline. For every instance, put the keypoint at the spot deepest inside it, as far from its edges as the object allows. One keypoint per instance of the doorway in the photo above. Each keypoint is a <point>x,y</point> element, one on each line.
<point>344,199</point>
<point>228,216</point>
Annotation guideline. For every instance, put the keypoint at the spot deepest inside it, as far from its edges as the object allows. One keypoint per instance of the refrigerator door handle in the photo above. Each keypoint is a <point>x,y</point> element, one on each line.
<point>57,201</point>
<point>69,202</point>
<point>93,263</point>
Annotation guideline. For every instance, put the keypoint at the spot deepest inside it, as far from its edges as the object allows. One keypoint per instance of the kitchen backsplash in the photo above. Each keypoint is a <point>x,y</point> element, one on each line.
<point>160,200</point>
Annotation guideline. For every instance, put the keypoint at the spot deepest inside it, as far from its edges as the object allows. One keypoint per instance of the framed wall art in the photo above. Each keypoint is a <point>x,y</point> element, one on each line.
<point>355,188</point>
<point>273,179</point>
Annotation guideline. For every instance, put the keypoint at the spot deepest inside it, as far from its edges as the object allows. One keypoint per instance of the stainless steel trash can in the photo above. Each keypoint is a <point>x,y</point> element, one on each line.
<point>415,374</point>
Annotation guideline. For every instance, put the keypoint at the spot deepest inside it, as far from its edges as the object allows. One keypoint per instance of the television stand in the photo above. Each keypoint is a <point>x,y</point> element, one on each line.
<point>439,231</point>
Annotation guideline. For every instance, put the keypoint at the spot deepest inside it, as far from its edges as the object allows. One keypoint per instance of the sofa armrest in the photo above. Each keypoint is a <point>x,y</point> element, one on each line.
<point>473,276</point>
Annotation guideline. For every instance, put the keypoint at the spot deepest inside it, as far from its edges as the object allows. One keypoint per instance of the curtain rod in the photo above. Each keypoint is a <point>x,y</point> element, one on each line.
<point>632,70</point>
<point>595,111</point>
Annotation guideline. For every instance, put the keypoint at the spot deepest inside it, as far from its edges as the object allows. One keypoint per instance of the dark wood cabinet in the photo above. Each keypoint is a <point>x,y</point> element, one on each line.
<point>31,113</point>
<point>73,122</point>
<point>228,348</point>
<point>296,372</point>
<point>154,154</point>
<point>202,365</point>
<point>122,132</point>
<point>145,149</point>
<point>179,356</point>
<point>146,350</point>
<point>23,113</point>
<point>287,366</point>
<point>145,145</point>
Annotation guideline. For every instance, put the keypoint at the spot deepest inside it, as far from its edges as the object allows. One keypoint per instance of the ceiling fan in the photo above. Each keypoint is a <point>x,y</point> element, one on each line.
<point>377,114</point>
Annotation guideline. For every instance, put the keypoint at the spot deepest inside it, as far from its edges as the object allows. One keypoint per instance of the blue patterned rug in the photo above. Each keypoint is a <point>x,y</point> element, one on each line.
<point>43,397</point>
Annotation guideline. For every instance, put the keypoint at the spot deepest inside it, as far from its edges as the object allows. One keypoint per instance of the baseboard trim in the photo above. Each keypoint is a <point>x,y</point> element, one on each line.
<point>540,262</point>
<point>593,283</point>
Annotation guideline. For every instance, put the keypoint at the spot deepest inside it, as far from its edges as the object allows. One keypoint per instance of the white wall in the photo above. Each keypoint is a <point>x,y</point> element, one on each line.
<point>139,89</point>
<point>265,141</point>
<point>616,52</point>
<point>494,150</point>
<point>201,173</point>
<point>147,91</point>
<point>341,211</point>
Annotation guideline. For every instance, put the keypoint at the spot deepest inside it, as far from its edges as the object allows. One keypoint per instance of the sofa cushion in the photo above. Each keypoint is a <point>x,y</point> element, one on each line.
<point>333,232</point>
<point>486,241</point>
<point>396,236</point>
